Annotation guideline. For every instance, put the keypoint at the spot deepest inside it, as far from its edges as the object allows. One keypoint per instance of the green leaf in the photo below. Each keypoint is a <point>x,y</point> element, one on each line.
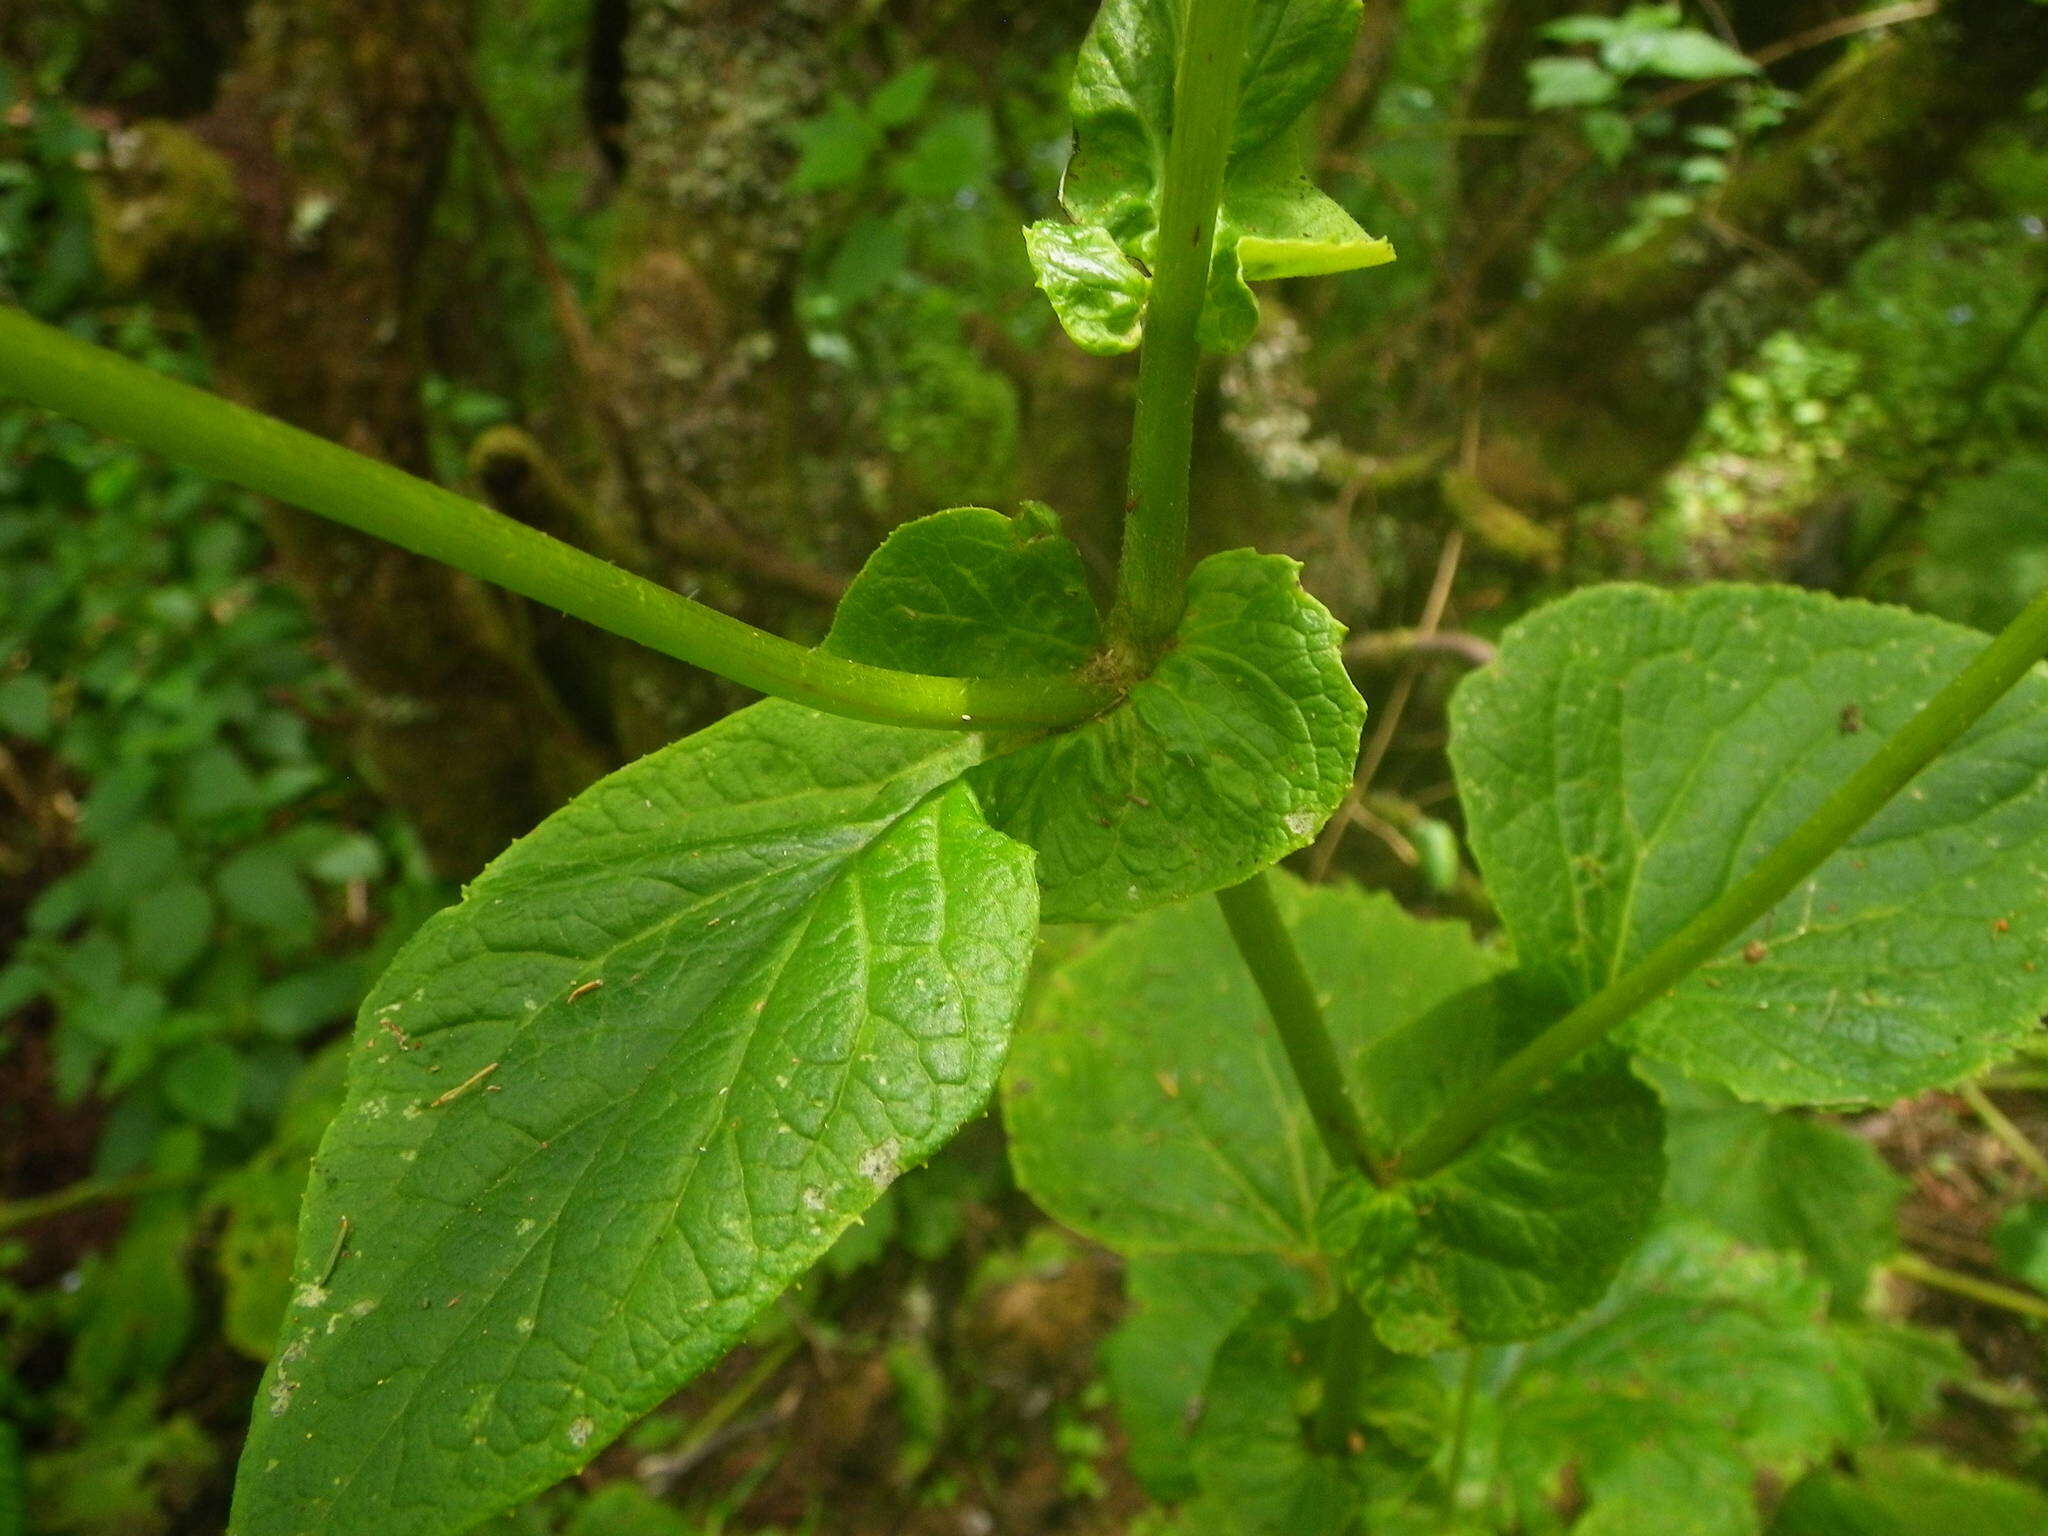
<point>204,1083</point>
<point>869,258</point>
<point>1150,1057</point>
<point>2021,1238</point>
<point>1571,82</point>
<point>626,1509</point>
<point>1582,29</point>
<point>137,1308</point>
<point>215,782</point>
<point>294,1006</point>
<point>25,707</point>
<point>1782,1180</point>
<point>1231,754</point>
<point>1609,134</point>
<point>1250,1451</point>
<point>1096,290</point>
<point>1706,1366</point>
<point>1682,53</point>
<point>1273,222</point>
<point>1911,1491</point>
<point>259,1205</point>
<point>1904,1368</point>
<point>350,856</point>
<point>1182,1306</point>
<point>833,148</point>
<point>956,151</point>
<point>261,887</point>
<point>1529,1225</point>
<point>547,1202</point>
<point>902,96</point>
<point>169,928</point>
<point>1634,751</point>
<point>971,593</point>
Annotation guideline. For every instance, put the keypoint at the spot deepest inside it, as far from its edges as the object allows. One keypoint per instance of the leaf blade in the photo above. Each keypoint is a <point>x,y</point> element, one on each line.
<point>1634,751</point>
<point>606,1182</point>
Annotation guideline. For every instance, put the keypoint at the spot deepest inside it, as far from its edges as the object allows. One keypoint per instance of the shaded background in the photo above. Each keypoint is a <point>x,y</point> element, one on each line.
<point>725,291</point>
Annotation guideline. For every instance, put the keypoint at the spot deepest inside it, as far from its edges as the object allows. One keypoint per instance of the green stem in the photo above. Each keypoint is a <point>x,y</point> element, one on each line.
<point>2025,1303</point>
<point>2000,1126</point>
<point>1461,1435</point>
<point>108,393</point>
<point>15,1214</point>
<point>2018,1081</point>
<point>1269,954</point>
<point>1150,578</point>
<point>1343,1370</point>
<point>1952,711</point>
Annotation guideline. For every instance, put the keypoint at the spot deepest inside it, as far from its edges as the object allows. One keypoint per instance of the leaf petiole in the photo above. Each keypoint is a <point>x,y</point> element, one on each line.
<point>1270,954</point>
<point>110,394</point>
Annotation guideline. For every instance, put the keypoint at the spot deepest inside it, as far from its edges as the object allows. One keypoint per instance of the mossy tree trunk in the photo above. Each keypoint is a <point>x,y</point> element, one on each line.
<point>337,119</point>
<point>1604,377</point>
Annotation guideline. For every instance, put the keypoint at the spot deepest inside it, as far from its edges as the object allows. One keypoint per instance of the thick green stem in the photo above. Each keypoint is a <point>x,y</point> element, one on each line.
<point>1861,796</point>
<point>1269,954</point>
<point>108,393</point>
<point>1150,579</point>
<point>1343,1371</point>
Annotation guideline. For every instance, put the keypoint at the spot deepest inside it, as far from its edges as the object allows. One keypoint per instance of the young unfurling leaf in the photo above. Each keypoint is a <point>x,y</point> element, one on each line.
<point>1273,222</point>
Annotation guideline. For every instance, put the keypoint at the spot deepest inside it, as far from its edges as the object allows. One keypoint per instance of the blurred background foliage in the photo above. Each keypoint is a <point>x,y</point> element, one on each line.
<point>1728,289</point>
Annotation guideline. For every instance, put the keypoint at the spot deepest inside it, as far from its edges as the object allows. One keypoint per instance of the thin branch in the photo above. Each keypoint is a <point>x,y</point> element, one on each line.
<point>15,1214</point>
<point>2000,1126</point>
<point>1369,761</point>
<point>1394,647</point>
<point>1990,1293</point>
<point>715,1429</point>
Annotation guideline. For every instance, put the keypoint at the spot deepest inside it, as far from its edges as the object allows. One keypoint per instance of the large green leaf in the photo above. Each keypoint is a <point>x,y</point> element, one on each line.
<point>1706,1366</point>
<point>1273,222</point>
<point>1781,1180</point>
<point>667,1048</point>
<point>1634,751</point>
<point>1530,1223</point>
<point>1148,1102</point>
<point>1232,753</point>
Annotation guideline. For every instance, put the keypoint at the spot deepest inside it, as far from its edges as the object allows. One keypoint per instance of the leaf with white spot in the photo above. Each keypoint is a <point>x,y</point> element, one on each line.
<point>1273,222</point>
<point>667,1048</point>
